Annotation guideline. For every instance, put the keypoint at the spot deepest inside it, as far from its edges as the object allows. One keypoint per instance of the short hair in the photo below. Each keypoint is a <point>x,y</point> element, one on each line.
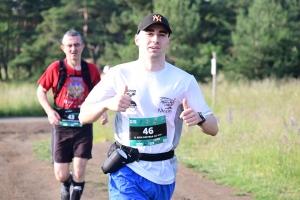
<point>72,33</point>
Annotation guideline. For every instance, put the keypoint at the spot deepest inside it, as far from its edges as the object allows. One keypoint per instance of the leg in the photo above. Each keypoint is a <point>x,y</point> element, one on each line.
<point>82,148</point>
<point>61,148</point>
<point>79,166</point>
<point>61,171</point>
<point>63,175</point>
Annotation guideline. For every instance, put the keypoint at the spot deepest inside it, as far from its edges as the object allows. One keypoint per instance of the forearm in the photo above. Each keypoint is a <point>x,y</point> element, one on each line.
<point>43,100</point>
<point>91,112</point>
<point>210,126</point>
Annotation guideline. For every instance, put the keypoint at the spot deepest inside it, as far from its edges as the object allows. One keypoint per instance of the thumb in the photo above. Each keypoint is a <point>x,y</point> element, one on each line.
<point>185,105</point>
<point>125,89</point>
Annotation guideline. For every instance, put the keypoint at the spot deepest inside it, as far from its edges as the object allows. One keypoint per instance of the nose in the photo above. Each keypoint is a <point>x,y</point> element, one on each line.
<point>73,47</point>
<point>155,39</point>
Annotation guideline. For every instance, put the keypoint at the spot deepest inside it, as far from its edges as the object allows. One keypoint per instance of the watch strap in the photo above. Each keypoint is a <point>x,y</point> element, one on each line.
<point>203,119</point>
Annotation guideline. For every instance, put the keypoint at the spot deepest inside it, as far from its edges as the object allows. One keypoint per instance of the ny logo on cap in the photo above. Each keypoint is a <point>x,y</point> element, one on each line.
<point>157,18</point>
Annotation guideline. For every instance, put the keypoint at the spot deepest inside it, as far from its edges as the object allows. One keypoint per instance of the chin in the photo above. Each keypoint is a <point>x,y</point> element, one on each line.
<point>155,55</point>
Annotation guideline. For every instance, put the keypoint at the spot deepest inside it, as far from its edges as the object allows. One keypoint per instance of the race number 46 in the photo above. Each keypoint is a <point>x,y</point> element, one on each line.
<point>148,131</point>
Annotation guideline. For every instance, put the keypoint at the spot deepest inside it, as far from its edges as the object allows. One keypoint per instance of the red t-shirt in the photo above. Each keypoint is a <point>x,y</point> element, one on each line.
<point>75,90</point>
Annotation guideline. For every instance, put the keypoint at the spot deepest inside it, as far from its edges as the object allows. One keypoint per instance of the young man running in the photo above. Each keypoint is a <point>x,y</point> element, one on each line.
<point>152,99</point>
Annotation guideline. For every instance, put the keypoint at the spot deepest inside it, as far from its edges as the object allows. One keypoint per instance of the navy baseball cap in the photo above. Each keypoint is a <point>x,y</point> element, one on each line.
<point>153,19</point>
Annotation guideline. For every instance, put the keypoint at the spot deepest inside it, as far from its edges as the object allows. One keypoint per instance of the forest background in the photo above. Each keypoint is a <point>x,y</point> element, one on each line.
<point>254,39</point>
<point>257,45</point>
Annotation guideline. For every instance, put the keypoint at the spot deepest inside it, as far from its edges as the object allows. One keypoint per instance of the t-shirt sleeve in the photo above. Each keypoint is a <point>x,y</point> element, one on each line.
<point>50,77</point>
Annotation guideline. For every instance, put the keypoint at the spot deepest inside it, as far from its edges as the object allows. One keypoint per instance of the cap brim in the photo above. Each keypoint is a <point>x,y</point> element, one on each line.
<point>168,29</point>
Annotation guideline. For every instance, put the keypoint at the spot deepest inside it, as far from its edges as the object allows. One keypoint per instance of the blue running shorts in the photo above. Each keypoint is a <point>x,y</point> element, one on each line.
<point>125,184</point>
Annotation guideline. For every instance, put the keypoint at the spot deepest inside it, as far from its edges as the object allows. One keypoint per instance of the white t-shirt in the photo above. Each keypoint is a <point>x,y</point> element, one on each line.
<point>153,94</point>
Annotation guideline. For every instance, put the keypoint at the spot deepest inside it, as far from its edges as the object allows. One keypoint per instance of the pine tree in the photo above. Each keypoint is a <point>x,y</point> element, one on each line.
<point>262,42</point>
<point>87,17</point>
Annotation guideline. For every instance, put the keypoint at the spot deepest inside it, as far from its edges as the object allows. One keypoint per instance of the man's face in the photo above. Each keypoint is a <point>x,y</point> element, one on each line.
<point>72,46</point>
<point>153,41</point>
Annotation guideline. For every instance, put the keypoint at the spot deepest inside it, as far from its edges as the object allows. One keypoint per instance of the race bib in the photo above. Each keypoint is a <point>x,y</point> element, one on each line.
<point>147,131</point>
<point>70,118</point>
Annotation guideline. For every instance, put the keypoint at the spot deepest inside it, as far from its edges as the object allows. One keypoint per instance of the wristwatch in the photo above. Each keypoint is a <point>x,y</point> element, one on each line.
<point>203,119</point>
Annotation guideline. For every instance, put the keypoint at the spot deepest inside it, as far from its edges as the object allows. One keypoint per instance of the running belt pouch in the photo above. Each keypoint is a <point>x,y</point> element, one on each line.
<point>132,153</point>
<point>116,161</point>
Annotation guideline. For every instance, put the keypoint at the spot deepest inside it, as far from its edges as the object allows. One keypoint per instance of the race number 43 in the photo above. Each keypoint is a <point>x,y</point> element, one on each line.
<point>71,116</point>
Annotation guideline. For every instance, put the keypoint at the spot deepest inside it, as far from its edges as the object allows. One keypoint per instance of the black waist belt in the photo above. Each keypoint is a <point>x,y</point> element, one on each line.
<point>146,156</point>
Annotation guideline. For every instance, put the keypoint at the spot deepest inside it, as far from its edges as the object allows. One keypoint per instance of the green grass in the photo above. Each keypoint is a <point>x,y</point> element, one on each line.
<point>41,149</point>
<point>256,149</point>
<point>20,99</point>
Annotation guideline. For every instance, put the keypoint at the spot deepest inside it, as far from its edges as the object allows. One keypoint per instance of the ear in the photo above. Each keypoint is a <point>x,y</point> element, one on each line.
<point>136,40</point>
<point>168,42</point>
<point>62,47</point>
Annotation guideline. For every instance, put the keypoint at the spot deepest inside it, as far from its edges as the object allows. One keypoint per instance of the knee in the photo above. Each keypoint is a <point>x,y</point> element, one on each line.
<point>79,173</point>
<point>62,176</point>
<point>79,166</point>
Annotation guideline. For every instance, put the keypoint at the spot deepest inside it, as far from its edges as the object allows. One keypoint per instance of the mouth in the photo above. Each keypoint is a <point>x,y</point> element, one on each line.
<point>154,48</point>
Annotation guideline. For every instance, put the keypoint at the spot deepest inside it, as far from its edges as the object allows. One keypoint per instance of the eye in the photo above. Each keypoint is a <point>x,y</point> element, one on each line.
<point>75,45</point>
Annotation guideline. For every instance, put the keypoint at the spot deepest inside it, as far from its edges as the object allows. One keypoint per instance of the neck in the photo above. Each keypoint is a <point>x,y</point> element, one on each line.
<point>152,64</point>
<point>75,64</point>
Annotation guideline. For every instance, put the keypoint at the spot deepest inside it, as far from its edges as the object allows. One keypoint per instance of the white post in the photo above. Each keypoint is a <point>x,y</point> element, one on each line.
<point>214,74</point>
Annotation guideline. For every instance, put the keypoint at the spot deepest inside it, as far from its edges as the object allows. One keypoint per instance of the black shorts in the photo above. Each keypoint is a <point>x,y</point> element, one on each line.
<point>70,142</point>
